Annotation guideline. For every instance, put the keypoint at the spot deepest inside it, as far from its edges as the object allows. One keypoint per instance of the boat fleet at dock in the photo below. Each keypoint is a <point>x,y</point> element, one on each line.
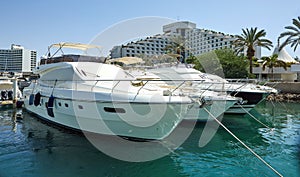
<point>87,93</point>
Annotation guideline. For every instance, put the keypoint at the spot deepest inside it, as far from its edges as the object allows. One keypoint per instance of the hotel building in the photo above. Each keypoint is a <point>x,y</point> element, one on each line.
<point>151,46</point>
<point>197,41</point>
<point>17,59</point>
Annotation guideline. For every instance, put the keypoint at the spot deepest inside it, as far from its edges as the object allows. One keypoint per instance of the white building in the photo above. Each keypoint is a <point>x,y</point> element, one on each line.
<point>279,73</point>
<point>201,41</point>
<point>17,59</point>
<point>154,45</point>
<point>198,41</point>
<point>180,28</point>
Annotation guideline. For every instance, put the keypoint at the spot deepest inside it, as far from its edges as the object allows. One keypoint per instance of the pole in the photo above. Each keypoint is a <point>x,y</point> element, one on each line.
<point>15,90</point>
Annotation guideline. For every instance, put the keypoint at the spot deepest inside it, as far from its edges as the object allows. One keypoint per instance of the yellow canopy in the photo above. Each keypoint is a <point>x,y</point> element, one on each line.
<point>78,46</point>
<point>127,60</point>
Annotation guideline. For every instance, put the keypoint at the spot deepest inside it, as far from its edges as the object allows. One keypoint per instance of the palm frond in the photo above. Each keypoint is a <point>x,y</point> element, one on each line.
<point>293,35</point>
<point>296,22</point>
<point>292,28</point>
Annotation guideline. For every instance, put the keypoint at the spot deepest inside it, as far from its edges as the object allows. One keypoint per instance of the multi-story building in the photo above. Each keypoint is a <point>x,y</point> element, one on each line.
<point>153,45</point>
<point>200,41</point>
<point>17,59</point>
<point>197,41</point>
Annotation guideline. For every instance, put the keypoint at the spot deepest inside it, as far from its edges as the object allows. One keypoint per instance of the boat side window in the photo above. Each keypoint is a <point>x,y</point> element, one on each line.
<point>114,110</point>
<point>80,106</point>
<point>66,105</point>
<point>59,103</point>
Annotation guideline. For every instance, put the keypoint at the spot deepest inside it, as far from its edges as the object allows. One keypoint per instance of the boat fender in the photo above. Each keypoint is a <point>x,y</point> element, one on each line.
<point>50,106</point>
<point>51,101</point>
<point>31,98</point>
<point>37,99</point>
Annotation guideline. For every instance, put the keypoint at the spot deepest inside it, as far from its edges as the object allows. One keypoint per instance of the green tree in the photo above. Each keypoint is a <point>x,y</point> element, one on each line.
<point>248,40</point>
<point>222,62</point>
<point>292,35</point>
<point>234,66</point>
<point>272,62</point>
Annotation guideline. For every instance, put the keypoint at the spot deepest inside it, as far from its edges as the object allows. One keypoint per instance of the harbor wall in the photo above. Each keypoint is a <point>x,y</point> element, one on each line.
<point>286,87</point>
<point>288,92</point>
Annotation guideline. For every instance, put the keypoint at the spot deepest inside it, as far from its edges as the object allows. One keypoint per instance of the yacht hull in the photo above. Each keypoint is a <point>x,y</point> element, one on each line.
<point>133,120</point>
<point>251,100</point>
<point>215,108</point>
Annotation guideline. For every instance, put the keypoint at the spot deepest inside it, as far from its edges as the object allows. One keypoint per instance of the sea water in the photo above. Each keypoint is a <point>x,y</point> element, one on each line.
<point>29,147</point>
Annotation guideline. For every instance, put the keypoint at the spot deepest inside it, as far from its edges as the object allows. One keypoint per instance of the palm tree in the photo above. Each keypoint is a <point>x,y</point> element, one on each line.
<point>177,47</point>
<point>293,35</point>
<point>249,39</point>
<point>272,62</point>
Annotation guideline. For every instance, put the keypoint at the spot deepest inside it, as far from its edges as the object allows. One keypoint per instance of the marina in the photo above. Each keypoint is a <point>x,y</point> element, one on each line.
<point>30,147</point>
<point>149,89</point>
<point>159,111</point>
<point>85,94</point>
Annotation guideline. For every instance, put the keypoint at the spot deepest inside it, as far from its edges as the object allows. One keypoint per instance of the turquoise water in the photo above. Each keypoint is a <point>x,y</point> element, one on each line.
<point>29,147</point>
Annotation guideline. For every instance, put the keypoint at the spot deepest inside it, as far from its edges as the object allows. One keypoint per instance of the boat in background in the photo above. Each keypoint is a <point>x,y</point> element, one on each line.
<point>251,93</point>
<point>212,104</point>
<point>8,97</point>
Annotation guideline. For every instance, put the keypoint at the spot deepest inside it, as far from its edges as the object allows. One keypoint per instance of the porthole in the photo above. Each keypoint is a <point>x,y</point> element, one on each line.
<point>59,103</point>
<point>66,105</point>
<point>80,106</point>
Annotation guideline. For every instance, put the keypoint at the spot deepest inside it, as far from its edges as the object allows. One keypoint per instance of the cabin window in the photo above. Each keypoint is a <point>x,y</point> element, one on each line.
<point>59,103</point>
<point>80,106</point>
<point>114,110</point>
<point>66,105</point>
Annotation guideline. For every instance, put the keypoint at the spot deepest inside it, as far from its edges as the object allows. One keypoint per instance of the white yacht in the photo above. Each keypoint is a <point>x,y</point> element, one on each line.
<point>103,98</point>
<point>7,91</point>
<point>251,93</point>
<point>213,104</point>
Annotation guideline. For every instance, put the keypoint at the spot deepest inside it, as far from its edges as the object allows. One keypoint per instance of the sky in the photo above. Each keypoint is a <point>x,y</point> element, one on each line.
<point>36,24</point>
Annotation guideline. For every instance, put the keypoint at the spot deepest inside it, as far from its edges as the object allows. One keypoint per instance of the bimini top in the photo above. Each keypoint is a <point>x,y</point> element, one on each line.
<point>54,57</point>
<point>126,61</point>
<point>78,46</point>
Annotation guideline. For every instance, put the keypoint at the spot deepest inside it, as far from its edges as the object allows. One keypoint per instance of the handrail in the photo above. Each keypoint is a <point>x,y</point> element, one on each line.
<point>140,90</point>
<point>92,88</point>
<point>178,86</point>
<point>112,90</point>
<point>139,80</point>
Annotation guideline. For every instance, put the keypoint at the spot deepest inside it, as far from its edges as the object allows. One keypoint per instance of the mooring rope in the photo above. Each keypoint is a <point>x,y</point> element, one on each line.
<point>252,116</point>
<point>232,134</point>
